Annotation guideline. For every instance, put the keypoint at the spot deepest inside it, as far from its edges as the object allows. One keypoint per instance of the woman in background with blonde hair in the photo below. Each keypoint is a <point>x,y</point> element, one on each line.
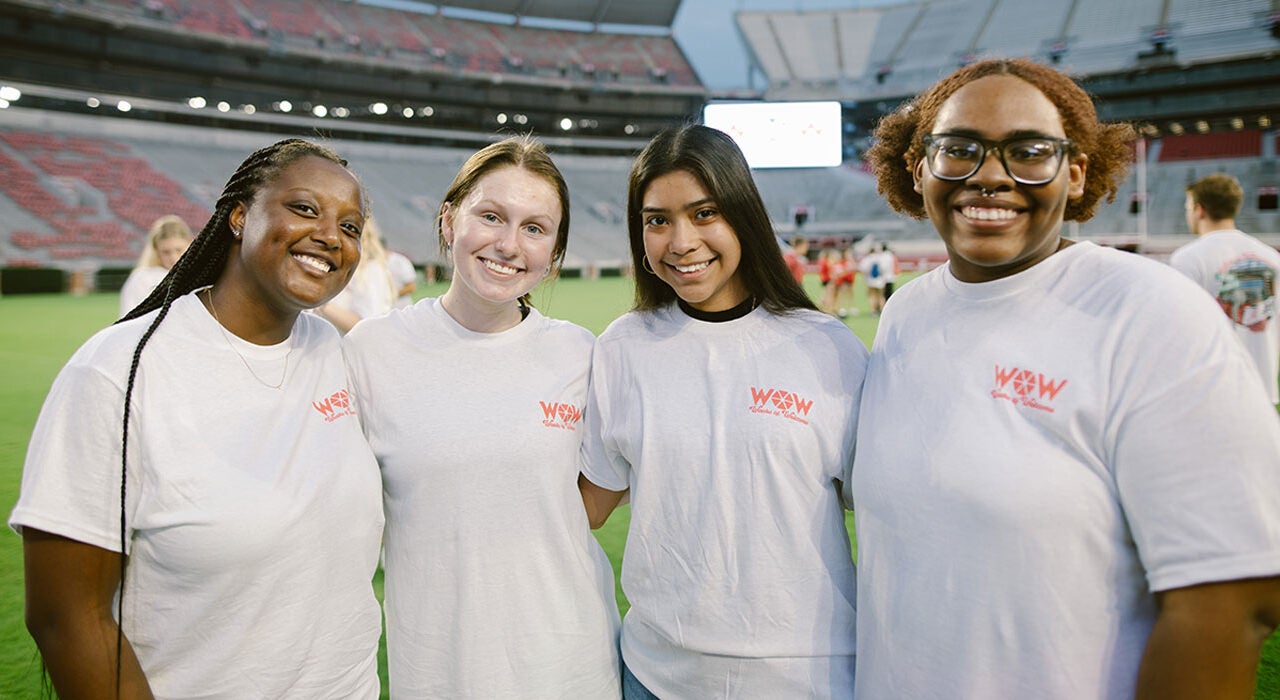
<point>371,291</point>
<point>166,242</point>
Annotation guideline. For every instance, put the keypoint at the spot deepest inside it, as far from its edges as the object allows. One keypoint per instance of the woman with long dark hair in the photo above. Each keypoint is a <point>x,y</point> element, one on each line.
<point>726,406</point>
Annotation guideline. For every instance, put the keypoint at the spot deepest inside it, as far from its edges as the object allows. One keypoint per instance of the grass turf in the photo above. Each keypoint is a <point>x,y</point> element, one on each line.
<point>38,333</point>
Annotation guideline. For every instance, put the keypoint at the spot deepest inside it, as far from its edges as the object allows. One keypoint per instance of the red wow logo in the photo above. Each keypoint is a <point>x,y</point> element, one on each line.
<point>560,415</point>
<point>1026,388</point>
<point>335,406</point>
<point>777,402</point>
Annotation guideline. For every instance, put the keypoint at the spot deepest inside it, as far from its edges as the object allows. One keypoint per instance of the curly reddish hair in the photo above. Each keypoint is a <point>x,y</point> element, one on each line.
<point>898,148</point>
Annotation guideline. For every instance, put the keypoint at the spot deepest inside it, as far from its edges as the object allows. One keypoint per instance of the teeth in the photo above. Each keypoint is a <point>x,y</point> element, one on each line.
<point>985,214</point>
<point>499,267</point>
<point>692,268</point>
<point>313,262</point>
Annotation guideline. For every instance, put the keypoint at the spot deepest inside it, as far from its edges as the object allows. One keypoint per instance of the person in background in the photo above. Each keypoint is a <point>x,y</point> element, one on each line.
<point>829,265</point>
<point>1066,481</point>
<point>797,258</point>
<point>200,513</point>
<point>847,269</point>
<point>725,406</point>
<point>403,277</point>
<point>875,272</point>
<point>891,269</point>
<point>166,242</point>
<point>371,291</point>
<point>1239,270</point>
<point>473,402</point>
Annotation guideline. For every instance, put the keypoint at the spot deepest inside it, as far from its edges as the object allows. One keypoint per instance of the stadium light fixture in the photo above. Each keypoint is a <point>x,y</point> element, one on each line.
<point>566,124</point>
<point>320,111</point>
<point>427,111</point>
<point>378,108</point>
<point>284,106</point>
<point>407,112</point>
<point>340,113</point>
<point>197,102</point>
<point>1237,123</point>
<point>224,107</point>
<point>124,106</point>
<point>1175,128</point>
<point>1264,122</point>
<point>248,109</point>
<point>501,118</point>
<point>521,119</point>
<point>8,93</point>
<point>629,129</point>
<point>4,104</point>
<point>1202,126</point>
<point>93,103</point>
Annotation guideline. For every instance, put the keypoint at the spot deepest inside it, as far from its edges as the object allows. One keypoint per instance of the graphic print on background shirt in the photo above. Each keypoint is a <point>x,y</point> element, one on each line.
<point>1247,292</point>
<point>335,406</point>
<point>779,402</point>
<point>565,416</point>
<point>1026,387</point>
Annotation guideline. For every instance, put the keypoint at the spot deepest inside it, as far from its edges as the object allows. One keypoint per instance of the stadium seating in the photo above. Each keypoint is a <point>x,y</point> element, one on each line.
<point>1226,144</point>
<point>421,39</point>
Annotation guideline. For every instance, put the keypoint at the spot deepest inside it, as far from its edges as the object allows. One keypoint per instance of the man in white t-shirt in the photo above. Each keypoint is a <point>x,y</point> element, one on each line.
<point>1237,269</point>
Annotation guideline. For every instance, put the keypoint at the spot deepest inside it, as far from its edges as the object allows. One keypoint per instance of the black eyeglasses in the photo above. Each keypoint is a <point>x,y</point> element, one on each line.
<point>1029,160</point>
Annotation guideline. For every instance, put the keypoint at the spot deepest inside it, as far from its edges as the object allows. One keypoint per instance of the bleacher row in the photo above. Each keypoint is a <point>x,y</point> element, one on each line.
<point>903,47</point>
<point>450,43</point>
<point>81,190</point>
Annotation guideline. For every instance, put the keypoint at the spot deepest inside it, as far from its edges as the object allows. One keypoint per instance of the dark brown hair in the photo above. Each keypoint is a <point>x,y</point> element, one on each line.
<point>717,162</point>
<point>898,146</point>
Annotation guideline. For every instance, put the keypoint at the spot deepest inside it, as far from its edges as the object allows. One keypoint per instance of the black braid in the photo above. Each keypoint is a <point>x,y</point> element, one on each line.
<point>199,267</point>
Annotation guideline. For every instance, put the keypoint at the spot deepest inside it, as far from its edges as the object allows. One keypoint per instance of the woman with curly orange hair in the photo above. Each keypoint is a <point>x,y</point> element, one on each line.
<point>1066,485</point>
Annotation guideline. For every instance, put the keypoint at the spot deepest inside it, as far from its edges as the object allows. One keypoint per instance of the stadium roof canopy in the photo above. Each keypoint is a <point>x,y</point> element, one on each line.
<point>649,13</point>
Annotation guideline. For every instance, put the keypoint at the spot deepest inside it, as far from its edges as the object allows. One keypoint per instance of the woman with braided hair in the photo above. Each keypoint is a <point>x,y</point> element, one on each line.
<point>198,474</point>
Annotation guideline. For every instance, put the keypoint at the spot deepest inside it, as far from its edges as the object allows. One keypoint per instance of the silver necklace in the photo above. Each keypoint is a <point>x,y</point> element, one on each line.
<point>227,336</point>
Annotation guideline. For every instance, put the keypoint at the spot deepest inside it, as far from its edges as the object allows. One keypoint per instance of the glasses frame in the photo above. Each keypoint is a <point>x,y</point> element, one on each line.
<point>1064,148</point>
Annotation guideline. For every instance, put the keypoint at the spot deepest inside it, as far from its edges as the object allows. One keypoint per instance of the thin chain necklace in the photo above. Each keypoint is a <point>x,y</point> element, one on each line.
<point>227,336</point>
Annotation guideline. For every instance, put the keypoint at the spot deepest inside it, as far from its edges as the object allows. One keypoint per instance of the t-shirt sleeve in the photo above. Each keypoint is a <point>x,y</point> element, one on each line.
<point>599,458</point>
<point>71,477</point>
<point>1197,455</point>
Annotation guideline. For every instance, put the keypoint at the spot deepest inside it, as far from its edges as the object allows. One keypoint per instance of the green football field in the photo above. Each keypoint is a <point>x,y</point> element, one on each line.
<point>38,333</point>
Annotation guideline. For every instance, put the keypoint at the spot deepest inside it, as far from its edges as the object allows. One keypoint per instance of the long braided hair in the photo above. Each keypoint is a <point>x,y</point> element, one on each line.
<point>199,267</point>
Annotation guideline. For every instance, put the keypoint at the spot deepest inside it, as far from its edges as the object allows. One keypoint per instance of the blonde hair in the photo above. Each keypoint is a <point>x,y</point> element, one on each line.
<point>162,229</point>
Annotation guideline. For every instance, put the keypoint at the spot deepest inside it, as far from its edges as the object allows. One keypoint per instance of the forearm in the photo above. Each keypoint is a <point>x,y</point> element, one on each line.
<point>81,660</point>
<point>599,502</point>
<point>343,319</point>
<point>1207,641</point>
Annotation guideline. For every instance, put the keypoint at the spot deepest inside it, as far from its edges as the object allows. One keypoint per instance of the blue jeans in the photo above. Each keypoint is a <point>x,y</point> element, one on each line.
<point>632,688</point>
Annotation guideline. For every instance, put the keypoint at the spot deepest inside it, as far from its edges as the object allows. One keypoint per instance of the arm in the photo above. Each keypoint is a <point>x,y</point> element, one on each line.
<point>598,501</point>
<point>1208,638</point>
<point>342,318</point>
<point>69,589</point>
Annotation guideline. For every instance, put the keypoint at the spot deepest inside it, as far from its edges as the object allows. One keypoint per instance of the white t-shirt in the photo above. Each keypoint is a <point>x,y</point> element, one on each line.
<point>139,285</point>
<point>1037,454</point>
<point>253,513</point>
<point>402,273</point>
<point>369,293</point>
<point>877,269</point>
<point>495,587</point>
<point>730,436</point>
<point>1241,272</point>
